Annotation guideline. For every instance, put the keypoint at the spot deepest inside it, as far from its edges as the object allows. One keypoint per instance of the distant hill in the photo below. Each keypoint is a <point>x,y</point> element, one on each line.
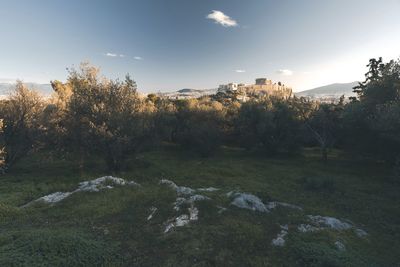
<point>188,90</point>
<point>44,89</point>
<point>331,90</point>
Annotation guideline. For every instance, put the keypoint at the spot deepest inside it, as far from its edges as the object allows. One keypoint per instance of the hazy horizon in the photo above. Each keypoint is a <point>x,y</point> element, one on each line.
<point>168,46</point>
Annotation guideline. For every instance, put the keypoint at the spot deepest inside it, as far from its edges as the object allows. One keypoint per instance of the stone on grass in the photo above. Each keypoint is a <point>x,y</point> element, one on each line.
<point>208,189</point>
<point>340,246</point>
<point>221,209</point>
<point>153,210</point>
<point>279,241</point>
<point>360,233</point>
<point>248,201</point>
<point>183,219</point>
<point>101,183</point>
<point>318,223</point>
<point>329,222</point>
<point>180,190</point>
<point>55,197</point>
<point>305,228</point>
<point>105,182</point>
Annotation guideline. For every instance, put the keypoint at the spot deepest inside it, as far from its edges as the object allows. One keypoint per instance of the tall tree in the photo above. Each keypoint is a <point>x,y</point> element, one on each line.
<point>20,116</point>
<point>104,116</point>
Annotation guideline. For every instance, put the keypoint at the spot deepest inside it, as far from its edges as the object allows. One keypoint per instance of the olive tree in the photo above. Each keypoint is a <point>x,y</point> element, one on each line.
<point>20,124</point>
<point>103,116</point>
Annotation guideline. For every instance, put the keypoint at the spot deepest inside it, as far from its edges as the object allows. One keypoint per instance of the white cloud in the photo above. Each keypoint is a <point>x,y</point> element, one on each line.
<point>240,71</point>
<point>138,58</point>
<point>111,55</point>
<point>220,18</point>
<point>285,72</point>
<point>114,55</point>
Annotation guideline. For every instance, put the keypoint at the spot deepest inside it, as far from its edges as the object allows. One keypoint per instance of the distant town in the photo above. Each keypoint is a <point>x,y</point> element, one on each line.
<point>265,87</point>
<point>262,86</point>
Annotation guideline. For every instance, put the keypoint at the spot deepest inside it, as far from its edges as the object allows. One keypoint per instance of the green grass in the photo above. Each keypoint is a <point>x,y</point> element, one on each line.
<point>109,228</point>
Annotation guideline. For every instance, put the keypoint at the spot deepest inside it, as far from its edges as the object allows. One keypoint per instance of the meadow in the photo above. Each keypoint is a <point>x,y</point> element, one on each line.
<point>111,227</point>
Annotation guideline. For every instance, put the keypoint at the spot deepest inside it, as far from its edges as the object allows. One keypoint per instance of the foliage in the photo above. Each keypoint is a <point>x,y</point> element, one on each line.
<point>373,119</point>
<point>91,114</point>
<point>103,116</point>
<point>20,123</point>
<point>199,123</point>
<point>270,124</point>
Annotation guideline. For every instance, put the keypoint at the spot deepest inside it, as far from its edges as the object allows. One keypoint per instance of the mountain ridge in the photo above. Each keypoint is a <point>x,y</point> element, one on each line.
<point>334,89</point>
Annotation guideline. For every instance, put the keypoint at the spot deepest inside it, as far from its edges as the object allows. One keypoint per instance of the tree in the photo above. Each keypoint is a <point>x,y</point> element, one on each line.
<point>322,121</point>
<point>199,125</point>
<point>270,124</point>
<point>104,116</point>
<point>20,117</point>
<point>371,121</point>
<point>381,85</point>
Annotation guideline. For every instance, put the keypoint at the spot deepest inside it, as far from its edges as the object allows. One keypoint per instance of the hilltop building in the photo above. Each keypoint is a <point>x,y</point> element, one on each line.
<point>230,87</point>
<point>262,86</point>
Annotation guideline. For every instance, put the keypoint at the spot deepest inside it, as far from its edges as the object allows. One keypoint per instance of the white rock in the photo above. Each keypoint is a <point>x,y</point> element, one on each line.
<point>360,233</point>
<point>100,183</point>
<point>193,214</point>
<point>153,210</point>
<point>230,193</point>
<point>221,209</point>
<point>180,190</point>
<point>179,202</point>
<point>86,186</point>
<point>248,201</point>
<point>279,241</point>
<point>340,246</point>
<point>319,223</point>
<point>304,228</point>
<point>208,189</point>
<point>198,198</point>
<point>329,222</point>
<point>274,204</point>
<point>183,219</point>
<point>55,197</point>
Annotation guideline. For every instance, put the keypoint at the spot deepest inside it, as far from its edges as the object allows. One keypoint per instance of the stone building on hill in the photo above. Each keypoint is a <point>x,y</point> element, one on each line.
<point>262,86</point>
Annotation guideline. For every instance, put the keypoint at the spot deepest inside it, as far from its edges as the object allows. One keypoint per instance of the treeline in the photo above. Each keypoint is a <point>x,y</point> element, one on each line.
<point>91,115</point>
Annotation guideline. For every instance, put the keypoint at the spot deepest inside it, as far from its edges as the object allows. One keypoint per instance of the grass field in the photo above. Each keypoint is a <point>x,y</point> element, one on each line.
<point>110,227</point>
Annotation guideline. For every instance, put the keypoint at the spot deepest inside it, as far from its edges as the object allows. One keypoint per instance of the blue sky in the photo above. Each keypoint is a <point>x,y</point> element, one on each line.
<point>172,44</point>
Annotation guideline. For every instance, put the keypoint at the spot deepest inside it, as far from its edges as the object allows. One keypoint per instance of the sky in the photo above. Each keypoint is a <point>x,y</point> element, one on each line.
<point>167,45</point>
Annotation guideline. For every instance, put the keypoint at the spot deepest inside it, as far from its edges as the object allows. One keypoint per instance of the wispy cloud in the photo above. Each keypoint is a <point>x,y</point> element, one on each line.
<point>138,58</point>
<point>240,71</point>
<point>285,72</point>
<point>113,55</point>
<point>222,19</point>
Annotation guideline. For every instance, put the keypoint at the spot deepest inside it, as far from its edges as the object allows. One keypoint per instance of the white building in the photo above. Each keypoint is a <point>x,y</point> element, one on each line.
<point>230,87</point>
